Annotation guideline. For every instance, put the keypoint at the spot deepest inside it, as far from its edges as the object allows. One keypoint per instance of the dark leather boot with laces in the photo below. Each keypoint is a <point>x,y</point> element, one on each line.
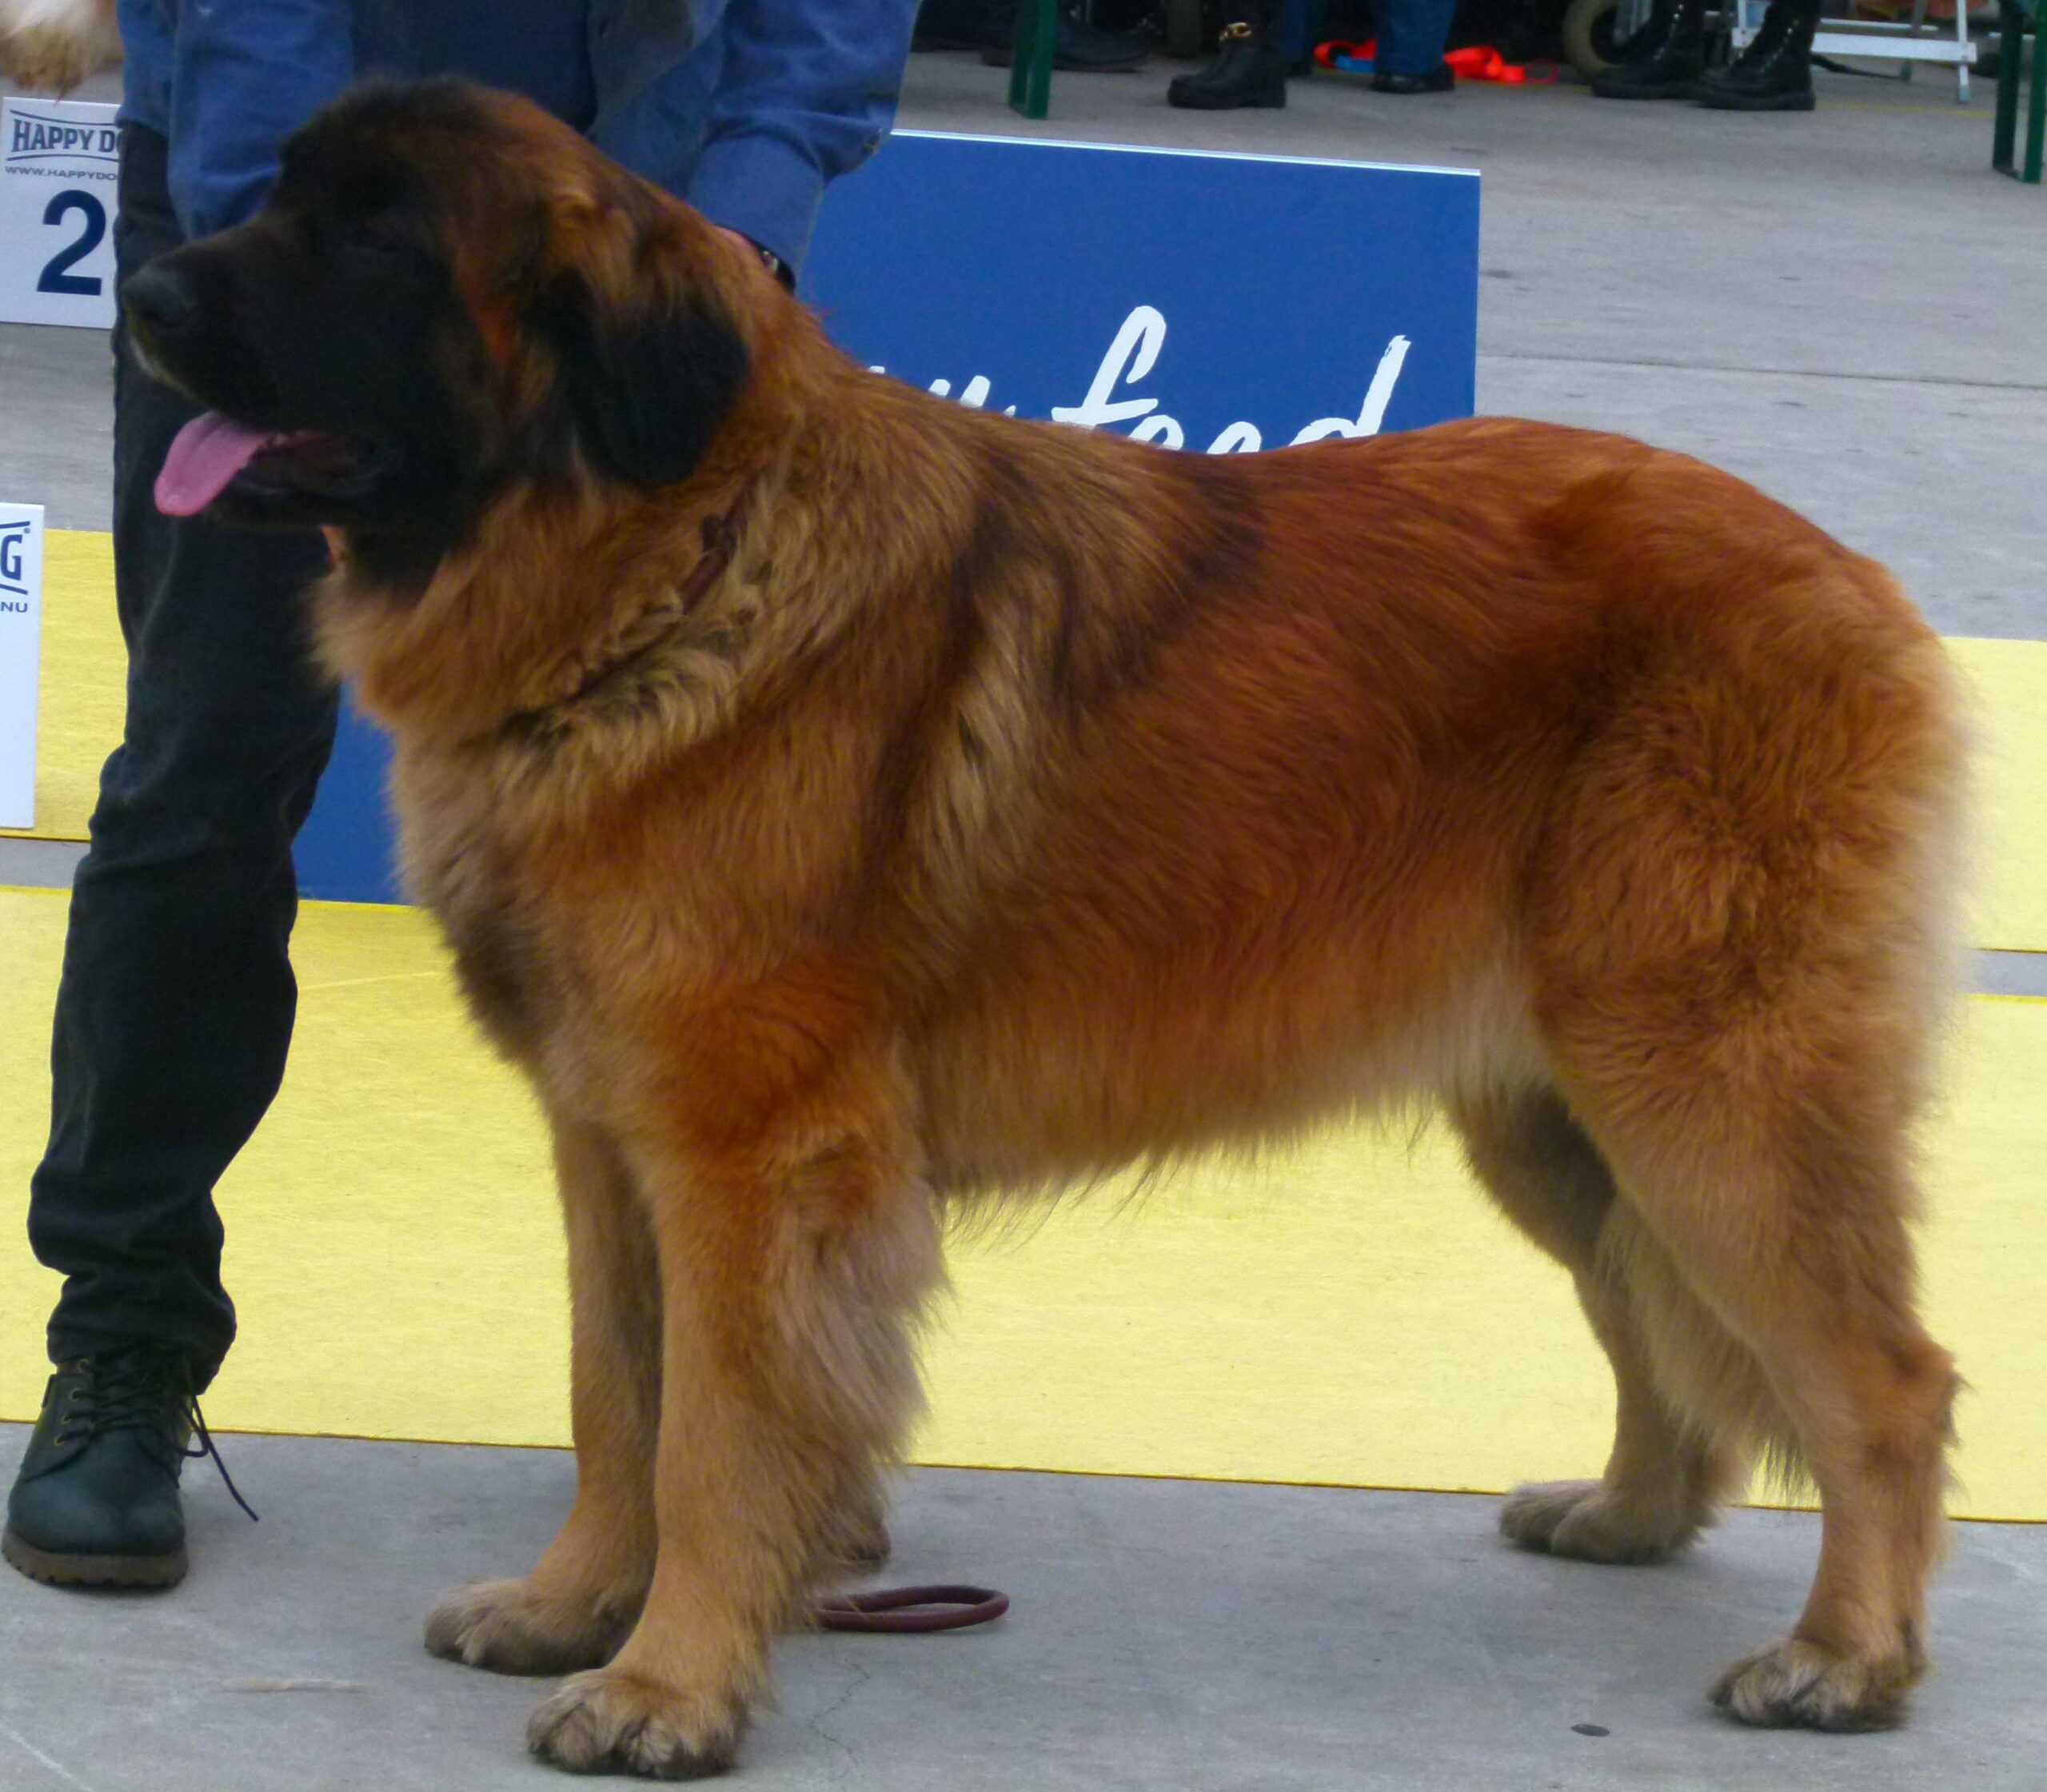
<point>95,1503</point>
<point>1078,47</point>
<point>1775,73</point>
<point>1249,69</point>
<point>1662,60</point>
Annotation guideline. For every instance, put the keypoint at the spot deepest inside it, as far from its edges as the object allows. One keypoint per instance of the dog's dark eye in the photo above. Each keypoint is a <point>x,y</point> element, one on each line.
<point>374,233</point>
<point>377,239</point>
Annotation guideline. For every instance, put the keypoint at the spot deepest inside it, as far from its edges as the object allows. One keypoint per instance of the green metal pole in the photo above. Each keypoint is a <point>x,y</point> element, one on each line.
<point>1031,63</point>
<point>2011,59</point>
<point>2036,124</point>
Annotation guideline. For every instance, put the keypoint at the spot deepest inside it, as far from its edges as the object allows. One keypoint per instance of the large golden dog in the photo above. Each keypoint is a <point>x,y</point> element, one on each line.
<point>844,805</point>
<point>52,45</point>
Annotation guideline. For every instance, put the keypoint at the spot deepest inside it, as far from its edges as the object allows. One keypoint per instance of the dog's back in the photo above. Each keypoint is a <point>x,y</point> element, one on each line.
<point>1320,838</point>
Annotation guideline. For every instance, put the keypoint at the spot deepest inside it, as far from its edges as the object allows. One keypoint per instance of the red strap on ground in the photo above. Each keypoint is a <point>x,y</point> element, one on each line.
<point>1335,52</point>
<point>1478,62</point>
<point>1482,62</point>
<point>903,1610</point>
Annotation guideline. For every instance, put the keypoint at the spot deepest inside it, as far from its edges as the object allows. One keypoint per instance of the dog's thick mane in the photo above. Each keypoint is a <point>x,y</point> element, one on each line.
<point>634,645</point>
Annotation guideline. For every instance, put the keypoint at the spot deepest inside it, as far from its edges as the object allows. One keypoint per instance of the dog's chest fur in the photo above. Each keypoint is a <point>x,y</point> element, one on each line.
<point>456,863</point>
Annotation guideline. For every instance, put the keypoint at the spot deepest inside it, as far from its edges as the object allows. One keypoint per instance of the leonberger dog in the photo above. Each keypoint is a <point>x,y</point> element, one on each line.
<point>51,45</point>
<point>845,805</point>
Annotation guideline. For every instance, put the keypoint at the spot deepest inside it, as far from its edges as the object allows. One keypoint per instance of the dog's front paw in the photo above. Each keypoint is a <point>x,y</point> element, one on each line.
<point>611,1721</point>
<point>1797,1685</point>
<point>1589,1522</point>
<point>509,1627</point>
<point>869,1545</point>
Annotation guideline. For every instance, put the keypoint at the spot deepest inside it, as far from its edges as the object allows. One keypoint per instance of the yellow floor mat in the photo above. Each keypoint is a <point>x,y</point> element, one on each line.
<point>1353,1314</point>
<point>83,664</point>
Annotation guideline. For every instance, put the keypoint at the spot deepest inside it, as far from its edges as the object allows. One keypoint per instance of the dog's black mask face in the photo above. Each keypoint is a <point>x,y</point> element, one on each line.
<point>344,380</point>
<point>335,344</point>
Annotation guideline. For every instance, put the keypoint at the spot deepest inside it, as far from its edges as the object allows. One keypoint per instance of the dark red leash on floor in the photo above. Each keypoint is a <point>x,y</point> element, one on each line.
<point>907,1610</point>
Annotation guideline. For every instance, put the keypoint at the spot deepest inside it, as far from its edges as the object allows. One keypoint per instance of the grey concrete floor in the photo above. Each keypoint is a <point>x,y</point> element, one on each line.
<point>1842,308</point>
<point>1164,1635</point>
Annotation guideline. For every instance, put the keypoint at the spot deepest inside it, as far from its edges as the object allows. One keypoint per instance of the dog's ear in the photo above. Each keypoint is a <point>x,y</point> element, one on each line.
<point>644,388</point>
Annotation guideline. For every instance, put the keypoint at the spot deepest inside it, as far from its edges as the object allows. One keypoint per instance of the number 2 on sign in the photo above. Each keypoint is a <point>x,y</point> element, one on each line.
<point>56,275</point>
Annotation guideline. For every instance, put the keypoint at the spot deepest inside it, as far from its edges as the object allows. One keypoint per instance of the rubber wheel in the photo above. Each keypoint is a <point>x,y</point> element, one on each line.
<point>1588,33</point>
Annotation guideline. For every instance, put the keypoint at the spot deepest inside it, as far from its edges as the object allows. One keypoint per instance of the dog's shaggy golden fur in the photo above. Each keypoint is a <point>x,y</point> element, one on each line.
<point>886,804</point>
<point>52,46</point>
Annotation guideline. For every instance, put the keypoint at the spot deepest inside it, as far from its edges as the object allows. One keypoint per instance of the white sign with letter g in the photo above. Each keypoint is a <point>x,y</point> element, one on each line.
<point>21,658</point>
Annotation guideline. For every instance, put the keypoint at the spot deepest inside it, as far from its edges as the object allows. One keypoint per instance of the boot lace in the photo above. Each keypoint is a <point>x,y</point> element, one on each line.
<point>143,1390</point>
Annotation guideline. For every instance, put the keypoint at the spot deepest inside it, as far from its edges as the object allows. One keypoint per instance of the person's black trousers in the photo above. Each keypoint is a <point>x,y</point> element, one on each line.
<point>175,1011</point>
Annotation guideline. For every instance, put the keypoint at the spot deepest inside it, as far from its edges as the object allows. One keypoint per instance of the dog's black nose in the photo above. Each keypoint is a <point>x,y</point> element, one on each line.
<point>160,300</point>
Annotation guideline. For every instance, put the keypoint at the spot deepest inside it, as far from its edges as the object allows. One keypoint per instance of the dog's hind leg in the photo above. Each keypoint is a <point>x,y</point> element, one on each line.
<point>1667,1476</point>
<point>1783,1203</point>
<point>1738,942</point>
<point>796,1247</point>
<point>584,1595</point>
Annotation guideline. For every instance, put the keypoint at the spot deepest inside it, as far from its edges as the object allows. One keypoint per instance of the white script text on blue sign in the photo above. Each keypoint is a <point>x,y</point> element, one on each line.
<point>1133,354</point>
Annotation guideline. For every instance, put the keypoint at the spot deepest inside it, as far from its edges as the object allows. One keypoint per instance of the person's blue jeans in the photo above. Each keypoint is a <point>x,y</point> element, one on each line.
<point>175,1009</point>
<point>1300,28</point>
<point>1411,35</point>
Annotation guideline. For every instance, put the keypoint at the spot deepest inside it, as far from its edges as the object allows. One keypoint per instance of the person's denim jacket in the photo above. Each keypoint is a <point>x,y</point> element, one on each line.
<point>746,108</point>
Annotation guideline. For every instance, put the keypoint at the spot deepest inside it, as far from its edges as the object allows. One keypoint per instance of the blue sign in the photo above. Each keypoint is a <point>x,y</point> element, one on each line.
<point>1219,304</point>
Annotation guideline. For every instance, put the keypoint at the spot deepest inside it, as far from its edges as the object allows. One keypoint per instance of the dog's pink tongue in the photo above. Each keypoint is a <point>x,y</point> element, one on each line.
<point>204,456</point>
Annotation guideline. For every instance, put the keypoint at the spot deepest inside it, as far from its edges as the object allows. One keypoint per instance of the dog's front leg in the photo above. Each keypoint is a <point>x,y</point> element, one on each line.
<point>793,1262</point>
<point>581,1600</point>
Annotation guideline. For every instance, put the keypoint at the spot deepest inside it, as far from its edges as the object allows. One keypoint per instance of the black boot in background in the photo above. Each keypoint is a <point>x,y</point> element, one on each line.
<point>1249,69</point>
<point>1775,73</point>
<point>95,1503</point>
<point>1078,47</point>
<point>949,24</point>
<point>1663,60</point>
